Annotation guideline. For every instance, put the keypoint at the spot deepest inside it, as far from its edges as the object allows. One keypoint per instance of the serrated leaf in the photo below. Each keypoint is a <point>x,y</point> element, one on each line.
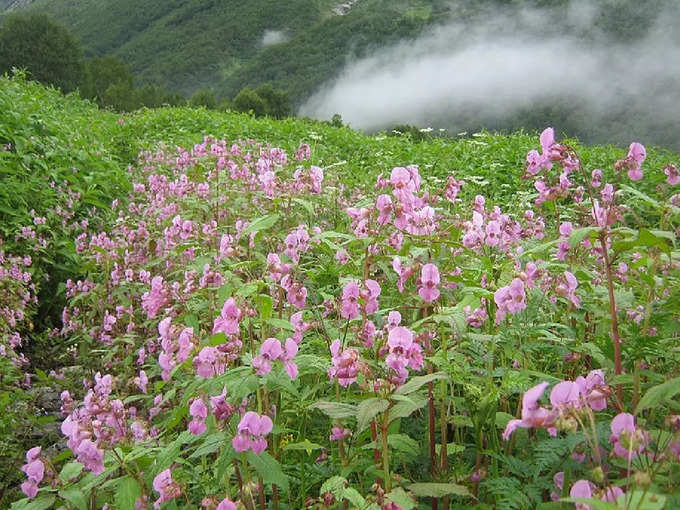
<point>369,409</point>
<point>335,410</point>
<point>400,497</point>
<point>76,498</point>
<point>415,383</point>
<point>211,444</point>
<point>597,504</point>
<point>268,468</point>
<point>305,445</point>
<point>265,305</point>
<point>404,443</point>
<point>42,502</point>
<point>437,490</point>
<point>334,484</point>
<point>70,471</point>
<point>406,406</point>
<point>644,238</point>
<point>258,224</point>
<point>217,339</point>
<point>658,394</point>
<point>127,493</point>
<point>643,500</point>
<point>579,234</point>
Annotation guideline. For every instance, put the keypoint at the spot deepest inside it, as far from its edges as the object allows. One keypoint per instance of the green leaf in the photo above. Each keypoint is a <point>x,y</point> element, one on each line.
<point>400,497</point>
<point>579,234</point>
<point>334,485</point>
<point>211,444</point>
<point>247,290</point>
<point>437,490</point>
<point>307,205</point>
<point>404,443</point>
<point>70,471</point>
<point>643,500</point>
<point>645,239</point>
<point>335,410</point>
<point>306,445</point>
<point>217,339</point>
<point>127,493</point>
<point>597,504</point>
<point>281,324</point>
<point>369,409</point>
<point>42,502</point>
<point>262,223</point>
<point>268,468</point>
<point>415,383</point>
<point>657,394</point>
<point>639,194</point>
<point>353,496</point>
<point>265,305</point>
<point>406,406</point>
<point>76,498</point>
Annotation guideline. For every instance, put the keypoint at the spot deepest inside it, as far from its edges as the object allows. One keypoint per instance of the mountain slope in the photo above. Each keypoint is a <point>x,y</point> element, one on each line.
<point>227,44</point>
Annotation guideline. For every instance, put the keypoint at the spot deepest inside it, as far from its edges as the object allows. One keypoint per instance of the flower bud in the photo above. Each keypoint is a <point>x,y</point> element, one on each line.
<point>642,479</point>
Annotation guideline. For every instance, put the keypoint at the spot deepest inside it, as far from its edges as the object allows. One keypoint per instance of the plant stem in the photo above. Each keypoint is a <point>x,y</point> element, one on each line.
<point>616,339</point>
<point>386,452</point>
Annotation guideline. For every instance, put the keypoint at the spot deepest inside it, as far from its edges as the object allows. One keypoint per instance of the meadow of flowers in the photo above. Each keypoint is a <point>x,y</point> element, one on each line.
<point>253,329</point>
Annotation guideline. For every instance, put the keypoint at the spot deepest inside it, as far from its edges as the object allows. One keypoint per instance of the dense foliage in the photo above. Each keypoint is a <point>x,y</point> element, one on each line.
<point>316,322</point>
<point>313,44</point>
<point>42,46</point>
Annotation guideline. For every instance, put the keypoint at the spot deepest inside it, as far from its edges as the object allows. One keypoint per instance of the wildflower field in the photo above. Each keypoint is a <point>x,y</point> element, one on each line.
<point>253,314</point>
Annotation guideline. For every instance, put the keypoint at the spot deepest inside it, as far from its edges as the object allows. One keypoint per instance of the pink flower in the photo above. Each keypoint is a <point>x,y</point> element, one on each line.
<point>568,288</point>
<point>350,301</point>
<point>384,206</point>
<point>209,362</point>
<point>672,175</point>
<point>532,414</point>
<point>403,353</point>
<point>34,470</point>
<point>611,494</point>
<point>270,350</point>
<point>345,364</point>
<point>228,321</point>
<point>90,456</point>
<point>510,299</point>
<point>636,155</point>
<point>165,487</point>
<point>155,299</point>
<point>370,296</point>
<point>594,390</point>
<point>222,409</point>
<point>535,161</point>
<point>403,272</point>
<point>582,489</point>
<point>141,381</point>
<point>627,439</point>
<point>251,431</point>
<point>429,277</point>
<point>291,349</point>
<point>566,228</point>
<point>339,433</point>
<point>226,504</point>
<point>566,394</point>
<point>199,412</point>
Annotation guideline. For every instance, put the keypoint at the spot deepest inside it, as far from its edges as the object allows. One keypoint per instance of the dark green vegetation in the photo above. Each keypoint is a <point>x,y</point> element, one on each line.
<point>46,47</point>
<point>46,137</point>
<point>217,47</point>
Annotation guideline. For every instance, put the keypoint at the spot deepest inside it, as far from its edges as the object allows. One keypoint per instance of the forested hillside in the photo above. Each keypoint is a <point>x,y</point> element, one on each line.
<point>303,47</point>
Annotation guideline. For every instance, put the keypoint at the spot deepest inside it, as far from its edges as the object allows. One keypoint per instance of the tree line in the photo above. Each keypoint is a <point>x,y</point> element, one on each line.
<point>52,55</point>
